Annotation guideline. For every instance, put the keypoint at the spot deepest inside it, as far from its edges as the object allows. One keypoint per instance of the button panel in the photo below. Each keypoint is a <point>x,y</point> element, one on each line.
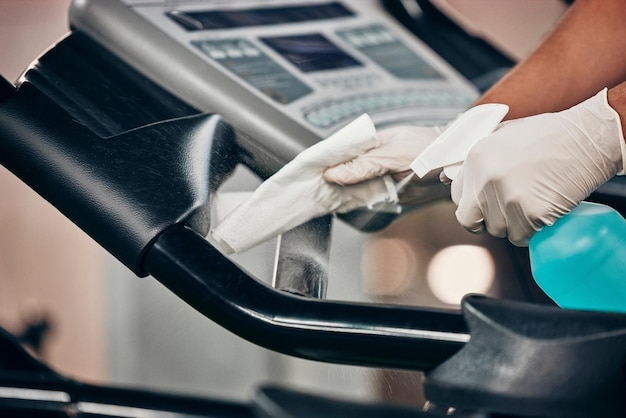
<point>331,112</point>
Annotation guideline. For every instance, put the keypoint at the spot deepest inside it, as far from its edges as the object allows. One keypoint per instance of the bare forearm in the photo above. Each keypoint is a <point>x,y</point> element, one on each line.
<point>617,100</point>
<point>585,53</point>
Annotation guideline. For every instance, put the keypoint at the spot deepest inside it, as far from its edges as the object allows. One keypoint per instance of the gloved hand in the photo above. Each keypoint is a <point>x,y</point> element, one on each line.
<point>531,171</point>
<point>297,193</point>
<point>397,148</point>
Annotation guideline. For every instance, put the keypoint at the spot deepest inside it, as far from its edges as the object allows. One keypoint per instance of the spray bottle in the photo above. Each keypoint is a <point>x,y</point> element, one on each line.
<point>580,260</point>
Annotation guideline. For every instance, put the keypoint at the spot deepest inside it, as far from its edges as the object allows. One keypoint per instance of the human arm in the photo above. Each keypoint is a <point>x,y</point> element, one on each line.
<point>583,54</point>
<point>617,100</point>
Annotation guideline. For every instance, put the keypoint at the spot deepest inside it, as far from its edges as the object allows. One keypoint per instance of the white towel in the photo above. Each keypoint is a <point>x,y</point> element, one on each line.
<point>298,193</point>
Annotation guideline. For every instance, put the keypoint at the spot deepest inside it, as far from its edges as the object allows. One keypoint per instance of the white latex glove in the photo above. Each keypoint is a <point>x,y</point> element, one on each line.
<point>297,193</point>
<point>397,148</point>
<point>531,171</point>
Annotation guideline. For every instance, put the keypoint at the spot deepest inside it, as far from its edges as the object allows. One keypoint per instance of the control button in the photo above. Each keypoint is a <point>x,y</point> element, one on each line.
<point>234,53</point>
<point>217,54</point>
<point>387,37</point>
<point>251,52</point>
<point>348,80</point>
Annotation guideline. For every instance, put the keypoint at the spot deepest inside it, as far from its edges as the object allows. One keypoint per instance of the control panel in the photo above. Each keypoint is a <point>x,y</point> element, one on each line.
<point>287,73</point>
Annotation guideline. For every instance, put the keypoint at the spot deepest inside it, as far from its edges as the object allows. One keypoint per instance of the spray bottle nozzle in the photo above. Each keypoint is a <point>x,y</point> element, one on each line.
<point>450,149</point>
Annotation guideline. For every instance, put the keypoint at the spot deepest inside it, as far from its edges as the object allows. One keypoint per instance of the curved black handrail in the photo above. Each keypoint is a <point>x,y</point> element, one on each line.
<point>339,332</point>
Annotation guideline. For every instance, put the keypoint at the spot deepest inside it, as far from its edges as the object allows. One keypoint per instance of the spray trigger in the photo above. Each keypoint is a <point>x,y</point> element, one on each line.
<point>450,149</point>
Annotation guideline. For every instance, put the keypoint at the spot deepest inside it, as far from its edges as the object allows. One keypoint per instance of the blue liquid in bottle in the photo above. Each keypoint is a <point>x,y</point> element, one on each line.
<point>580,261</point>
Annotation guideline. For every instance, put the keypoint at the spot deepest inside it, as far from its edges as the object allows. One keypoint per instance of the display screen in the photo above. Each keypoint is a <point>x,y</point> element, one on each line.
<point>382,46</point>
<point>311,52</point>
<point>239,18</point>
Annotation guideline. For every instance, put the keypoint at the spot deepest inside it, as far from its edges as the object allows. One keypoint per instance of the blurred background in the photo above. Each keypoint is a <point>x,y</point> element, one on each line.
<point>91,319</point>
<point>51,274</point>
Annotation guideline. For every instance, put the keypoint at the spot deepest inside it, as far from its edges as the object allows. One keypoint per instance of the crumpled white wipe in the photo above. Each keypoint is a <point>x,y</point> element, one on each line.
<point>298,193</point>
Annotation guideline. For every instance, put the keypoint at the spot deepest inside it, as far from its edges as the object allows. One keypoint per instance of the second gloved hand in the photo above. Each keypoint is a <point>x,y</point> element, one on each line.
<point>397,148</point>
<point>531,171</point>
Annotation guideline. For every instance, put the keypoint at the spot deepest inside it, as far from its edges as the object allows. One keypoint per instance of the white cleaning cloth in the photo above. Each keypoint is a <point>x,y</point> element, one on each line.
<point>298,193</point>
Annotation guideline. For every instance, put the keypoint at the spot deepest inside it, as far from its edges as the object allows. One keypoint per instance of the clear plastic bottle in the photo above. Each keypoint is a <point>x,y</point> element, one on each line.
<point>580,261</point>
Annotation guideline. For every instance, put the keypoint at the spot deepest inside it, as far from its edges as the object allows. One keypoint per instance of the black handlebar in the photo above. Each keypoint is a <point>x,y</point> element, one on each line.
<point>335,332</point>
